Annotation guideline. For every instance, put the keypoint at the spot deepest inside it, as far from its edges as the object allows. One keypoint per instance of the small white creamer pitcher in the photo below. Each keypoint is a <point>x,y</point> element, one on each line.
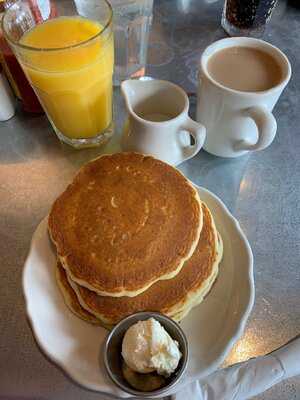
<point>158,121</point>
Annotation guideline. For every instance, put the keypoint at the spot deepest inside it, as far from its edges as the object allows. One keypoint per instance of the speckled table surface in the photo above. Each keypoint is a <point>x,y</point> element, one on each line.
<point>261,190</point>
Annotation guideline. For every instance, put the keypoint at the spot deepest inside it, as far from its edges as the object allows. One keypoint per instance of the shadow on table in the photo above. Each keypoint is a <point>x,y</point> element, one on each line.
<point>20,398</point>
<point>30,137</point>
<point>25,137</point>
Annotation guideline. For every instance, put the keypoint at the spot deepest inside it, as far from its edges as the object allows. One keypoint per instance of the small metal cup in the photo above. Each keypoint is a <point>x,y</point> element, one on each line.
<point>113,357</point>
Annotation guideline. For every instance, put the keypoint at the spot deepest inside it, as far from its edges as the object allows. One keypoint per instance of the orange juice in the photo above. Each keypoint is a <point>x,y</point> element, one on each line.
<point>71,73</point>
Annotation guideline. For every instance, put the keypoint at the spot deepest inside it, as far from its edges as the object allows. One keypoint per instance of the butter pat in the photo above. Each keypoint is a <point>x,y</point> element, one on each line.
<point>147,347</point>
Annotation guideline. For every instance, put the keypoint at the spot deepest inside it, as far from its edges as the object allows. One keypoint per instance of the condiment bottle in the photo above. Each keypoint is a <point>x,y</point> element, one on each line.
<point>14,72</point>
<point>7,100</point>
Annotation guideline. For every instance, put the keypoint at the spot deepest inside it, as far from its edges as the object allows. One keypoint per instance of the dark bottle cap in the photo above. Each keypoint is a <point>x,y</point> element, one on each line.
<point>2,6</point>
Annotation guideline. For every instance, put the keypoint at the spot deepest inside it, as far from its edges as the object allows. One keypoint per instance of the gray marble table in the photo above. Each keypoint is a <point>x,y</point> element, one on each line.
<point>261,190</point>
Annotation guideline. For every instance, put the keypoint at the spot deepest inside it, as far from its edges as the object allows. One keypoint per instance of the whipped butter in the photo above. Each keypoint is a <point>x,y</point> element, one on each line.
<point>147,347</point>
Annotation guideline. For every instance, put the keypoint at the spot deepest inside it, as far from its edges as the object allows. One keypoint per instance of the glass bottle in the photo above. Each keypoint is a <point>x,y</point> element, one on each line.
<point>13,71</point>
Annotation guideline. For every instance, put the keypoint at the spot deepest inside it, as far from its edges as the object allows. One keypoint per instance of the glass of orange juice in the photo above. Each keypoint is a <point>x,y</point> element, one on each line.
<point>66,50</point>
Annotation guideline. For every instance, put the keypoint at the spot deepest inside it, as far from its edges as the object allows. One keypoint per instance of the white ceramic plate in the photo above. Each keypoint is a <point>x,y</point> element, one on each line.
<point>211,328</point>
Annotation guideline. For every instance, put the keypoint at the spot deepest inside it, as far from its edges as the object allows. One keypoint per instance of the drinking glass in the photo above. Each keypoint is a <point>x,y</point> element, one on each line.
<point>132,21</point>
<point>247,17</point>
<point>73,82</point>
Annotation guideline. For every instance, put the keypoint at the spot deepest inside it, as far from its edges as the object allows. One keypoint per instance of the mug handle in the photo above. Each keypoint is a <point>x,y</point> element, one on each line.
<point>198,132</point>
<point>266,126</point>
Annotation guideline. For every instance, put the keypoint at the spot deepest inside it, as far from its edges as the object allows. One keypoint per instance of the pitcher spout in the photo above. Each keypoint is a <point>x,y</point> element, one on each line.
<point>131,91</point>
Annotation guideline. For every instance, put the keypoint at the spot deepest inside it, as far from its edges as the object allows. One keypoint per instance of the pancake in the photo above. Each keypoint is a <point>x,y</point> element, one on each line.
<point>126,222</point>
<point>171,297</point>
<point>198,296</point>
<point>70,297</point>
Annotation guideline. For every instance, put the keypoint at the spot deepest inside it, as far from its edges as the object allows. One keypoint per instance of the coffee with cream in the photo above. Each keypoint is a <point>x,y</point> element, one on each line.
<point>245,69</point>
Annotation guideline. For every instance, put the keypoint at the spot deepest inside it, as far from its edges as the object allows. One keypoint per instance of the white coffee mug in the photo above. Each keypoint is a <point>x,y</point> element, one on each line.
<point>238,122</point>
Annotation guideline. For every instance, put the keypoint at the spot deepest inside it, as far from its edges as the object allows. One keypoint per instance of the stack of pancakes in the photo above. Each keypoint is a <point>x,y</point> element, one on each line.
<point>132,234</point>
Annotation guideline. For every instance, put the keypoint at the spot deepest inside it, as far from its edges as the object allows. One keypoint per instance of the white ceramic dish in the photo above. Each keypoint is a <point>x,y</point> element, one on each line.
<point>211,328</point>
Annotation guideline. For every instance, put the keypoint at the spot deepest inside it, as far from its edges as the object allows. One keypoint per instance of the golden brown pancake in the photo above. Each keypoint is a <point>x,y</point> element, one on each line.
<point>72,301</point>
<point>126,222</point>
<point>70,297</point>
<point>174,297</point>
<point>196,297</point>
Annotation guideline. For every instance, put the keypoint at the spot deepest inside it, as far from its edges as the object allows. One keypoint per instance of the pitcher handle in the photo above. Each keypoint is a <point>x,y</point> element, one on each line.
<point>266,126</point>
<point>198,132</point>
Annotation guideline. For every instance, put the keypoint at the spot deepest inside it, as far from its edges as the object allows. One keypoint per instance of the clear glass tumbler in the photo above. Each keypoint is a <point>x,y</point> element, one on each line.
<point>65,48</point>
<point>132,22</point>
<point>247,17</point>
